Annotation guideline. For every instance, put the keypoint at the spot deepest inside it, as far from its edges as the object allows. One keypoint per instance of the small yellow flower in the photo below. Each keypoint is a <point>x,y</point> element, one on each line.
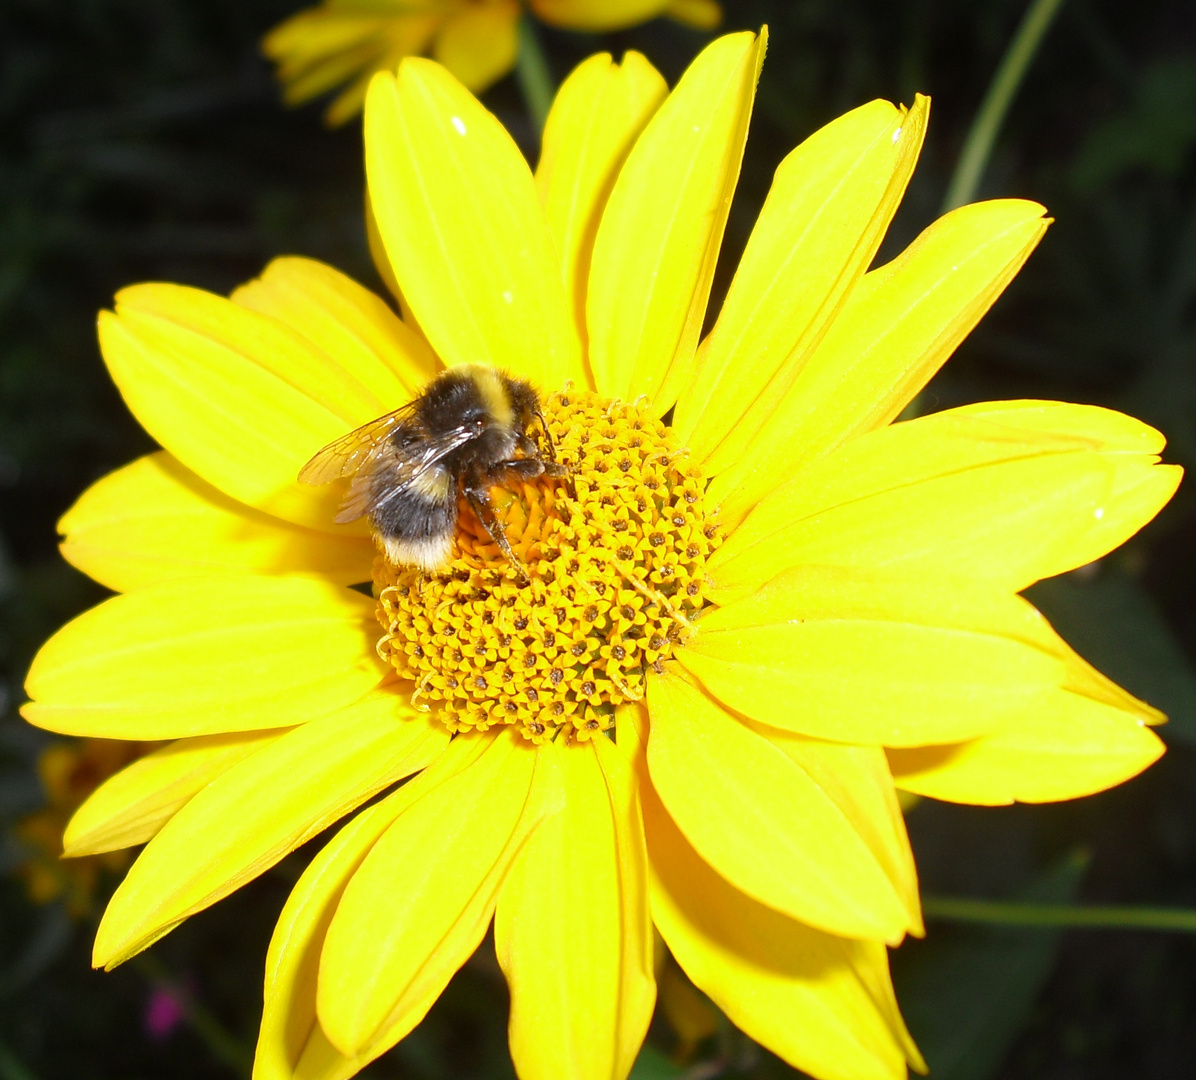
<point>751,626</point>
<point>70,772</point>
<point>346,41</point>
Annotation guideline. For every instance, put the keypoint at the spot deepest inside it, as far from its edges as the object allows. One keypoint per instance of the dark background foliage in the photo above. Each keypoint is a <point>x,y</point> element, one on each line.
<point>143,139</point>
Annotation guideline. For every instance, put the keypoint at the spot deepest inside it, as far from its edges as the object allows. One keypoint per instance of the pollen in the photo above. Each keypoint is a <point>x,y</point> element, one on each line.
<point>615,559</point>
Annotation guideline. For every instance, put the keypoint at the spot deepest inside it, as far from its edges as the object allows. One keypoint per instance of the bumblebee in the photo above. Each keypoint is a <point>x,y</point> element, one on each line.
<point>469,430</point>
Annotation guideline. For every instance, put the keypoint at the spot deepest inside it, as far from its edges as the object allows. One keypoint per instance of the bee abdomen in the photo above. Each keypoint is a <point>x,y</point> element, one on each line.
<point>416,526</point>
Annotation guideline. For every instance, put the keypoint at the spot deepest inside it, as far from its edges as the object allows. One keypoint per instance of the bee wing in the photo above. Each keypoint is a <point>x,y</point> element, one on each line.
<point>372,449</point>
<point>349,454</point>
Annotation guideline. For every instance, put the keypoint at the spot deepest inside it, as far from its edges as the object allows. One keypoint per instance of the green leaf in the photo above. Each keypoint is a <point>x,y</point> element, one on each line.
<point>1112,622</point>
<point>966,992</point>
<point>653,1065</point>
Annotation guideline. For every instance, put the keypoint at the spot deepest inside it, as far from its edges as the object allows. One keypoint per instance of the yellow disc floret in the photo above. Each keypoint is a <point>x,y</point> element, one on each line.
<point>615,558</point>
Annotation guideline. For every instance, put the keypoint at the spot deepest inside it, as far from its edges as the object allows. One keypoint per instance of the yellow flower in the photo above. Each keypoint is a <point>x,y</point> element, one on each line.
<point>69,773</point>
<point>347,41</point>
<point>744,633</point>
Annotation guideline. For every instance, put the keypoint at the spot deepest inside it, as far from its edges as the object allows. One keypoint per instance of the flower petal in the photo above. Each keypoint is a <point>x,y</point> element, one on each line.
<point>204,656</point>
<point>572,929</point>
<point>458,214</point>
<point>857,780</point>
<point>1007,492</point>
<point>130,807</point>
<point>154,520</point>
<point>316,49</point>
<point>864,658</point>
<point>830,203</point>
<point>408,36</point>
<point>700,14</point>
<point>596,15</point>
<point>420,903</point>
<point>823,1003</point>
<point>479,43</point>
<point>235,395</point>
<point>660,233</point>
<point>250,817</point>
<point>345,321</point>
<point>763,821</point>
<point>597,115</point>
<point>1089,735</point>
<point>291,1044</point>
<point>898,326</point>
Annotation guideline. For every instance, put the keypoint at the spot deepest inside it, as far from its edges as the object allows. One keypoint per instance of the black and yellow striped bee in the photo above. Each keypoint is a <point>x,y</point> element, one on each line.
<point>469,430</point>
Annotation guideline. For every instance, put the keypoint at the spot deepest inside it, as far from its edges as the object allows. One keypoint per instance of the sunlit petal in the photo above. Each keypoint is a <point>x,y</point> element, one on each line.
<point>275,652</point>
<point>763,820</point>
<point>830,203</point>
<point>410,917</point>
<point>579,890</point>
<point>259,810</point>
<point>659,238</point>
<point>444,177</point>
<point>155,520</point>
<point>1002,492</point>
<point>871,659</point>
<point>598,113</point>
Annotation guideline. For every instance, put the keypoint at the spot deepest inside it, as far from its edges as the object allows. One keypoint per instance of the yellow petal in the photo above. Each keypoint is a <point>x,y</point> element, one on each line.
<point>597,115</point>
<point>823,1003</point>
<point>346,322</point>
<point>859,657</point>
<point>479,43</point>
<point>1089,735</point>
<point>235,395</point>
<point>1005,492</point>
<point>406,37</point>
<point>130,807</point>
<point>291,1045</point>
<point>206,655</point>
<point>422,900</point>
<point>289,1014</point>
<point>700,14</point>
<point>155,520</point>
<point>596,15</point>
<point>831,200</point>
<point>763,821</point>
<point>250,817</point>
<point>658,242</point>
<point>857,780</point>
<point>572,930</point>
<point>898,326</point>
<point>318,48</point>
<point>457,211</point>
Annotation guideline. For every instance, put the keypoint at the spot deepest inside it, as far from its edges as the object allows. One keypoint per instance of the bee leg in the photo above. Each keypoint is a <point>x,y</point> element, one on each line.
<point>479,500</point>
<point>547,434</point>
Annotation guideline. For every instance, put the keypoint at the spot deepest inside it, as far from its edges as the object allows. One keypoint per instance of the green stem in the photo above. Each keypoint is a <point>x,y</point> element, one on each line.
<point>11,1068</point>
<point>531,69</point>
<point>223,1045</point>
<point>1027,914</point>
<point>987,125</point>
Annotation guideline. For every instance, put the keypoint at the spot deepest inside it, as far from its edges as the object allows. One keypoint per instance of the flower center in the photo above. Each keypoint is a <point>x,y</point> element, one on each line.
<point>614,573</point>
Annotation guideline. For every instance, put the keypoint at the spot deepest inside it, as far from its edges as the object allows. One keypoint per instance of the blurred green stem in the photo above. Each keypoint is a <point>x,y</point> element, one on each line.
<point>223,1045</point>
<point>986,126</point>
<point>531,69</point>
<point>1025,914</point>
<point>11,1068</point>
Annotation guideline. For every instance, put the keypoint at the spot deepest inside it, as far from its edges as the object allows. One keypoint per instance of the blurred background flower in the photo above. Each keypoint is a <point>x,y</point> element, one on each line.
<point>143,140</point>
<point>69,772</point>
<point>344,42</point>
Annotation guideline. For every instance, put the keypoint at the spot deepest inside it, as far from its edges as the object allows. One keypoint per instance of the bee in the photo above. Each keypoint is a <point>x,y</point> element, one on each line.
<point>468,431</point>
